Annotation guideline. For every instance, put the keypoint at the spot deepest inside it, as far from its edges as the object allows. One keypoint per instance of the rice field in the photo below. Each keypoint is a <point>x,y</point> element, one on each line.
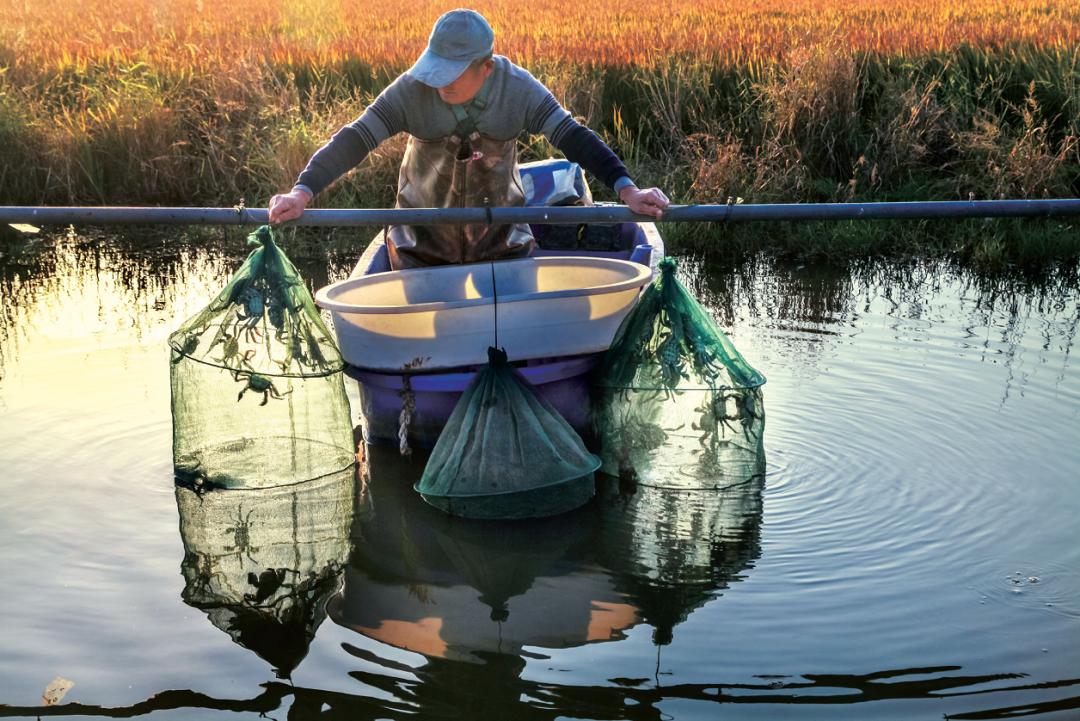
<point>198,102</point>
<point>192,36</point>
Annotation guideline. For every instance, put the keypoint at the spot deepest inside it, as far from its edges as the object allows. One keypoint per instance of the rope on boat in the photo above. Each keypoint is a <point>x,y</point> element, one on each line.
<point>495,304</point>
<point>408,405</point>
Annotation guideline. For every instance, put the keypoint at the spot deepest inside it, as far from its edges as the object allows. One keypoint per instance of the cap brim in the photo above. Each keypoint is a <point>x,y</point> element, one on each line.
<point>437,71</point>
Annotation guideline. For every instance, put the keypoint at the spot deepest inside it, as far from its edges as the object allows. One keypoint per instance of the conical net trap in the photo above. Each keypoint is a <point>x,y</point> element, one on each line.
<point>676,404</point>
<point>257,392</point>
<point>507,453</point>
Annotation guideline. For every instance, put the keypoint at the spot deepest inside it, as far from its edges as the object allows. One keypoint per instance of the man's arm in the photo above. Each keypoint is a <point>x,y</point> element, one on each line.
<point>347,148</point>
<point>584,147</point>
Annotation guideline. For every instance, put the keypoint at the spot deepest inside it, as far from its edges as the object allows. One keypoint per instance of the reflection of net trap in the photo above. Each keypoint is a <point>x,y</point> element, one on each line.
<point>673,551</point>
<point>257,394</point>
<point>677,405</point>
<point>261,563</point>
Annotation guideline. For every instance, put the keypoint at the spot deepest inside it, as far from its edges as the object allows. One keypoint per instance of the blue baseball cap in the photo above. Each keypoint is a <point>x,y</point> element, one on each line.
<point>458,38</point>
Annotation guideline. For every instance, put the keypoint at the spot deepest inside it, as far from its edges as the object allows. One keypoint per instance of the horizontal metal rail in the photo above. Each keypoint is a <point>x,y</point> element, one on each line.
<point>564,215</point>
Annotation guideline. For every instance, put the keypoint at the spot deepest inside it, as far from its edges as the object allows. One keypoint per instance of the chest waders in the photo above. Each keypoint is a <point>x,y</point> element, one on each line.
<point>464,169</point>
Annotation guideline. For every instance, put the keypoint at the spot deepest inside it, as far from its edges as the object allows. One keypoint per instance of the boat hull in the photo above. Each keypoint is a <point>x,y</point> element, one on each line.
<point>431,398</point>
<point>561,381</point>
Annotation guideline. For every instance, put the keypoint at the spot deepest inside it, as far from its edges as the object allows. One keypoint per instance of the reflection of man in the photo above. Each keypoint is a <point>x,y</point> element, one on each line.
<point>464,110</point>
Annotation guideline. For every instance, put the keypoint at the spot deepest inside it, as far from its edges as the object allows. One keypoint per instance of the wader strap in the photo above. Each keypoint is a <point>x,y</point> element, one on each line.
<point>468,114</point>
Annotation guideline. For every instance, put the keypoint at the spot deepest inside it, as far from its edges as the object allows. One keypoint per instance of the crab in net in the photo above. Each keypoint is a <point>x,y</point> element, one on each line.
<point>259,384</point>
<point>249,314</point>
<point>267,583</point>
<point>241,535</point>
<point>231,355</point>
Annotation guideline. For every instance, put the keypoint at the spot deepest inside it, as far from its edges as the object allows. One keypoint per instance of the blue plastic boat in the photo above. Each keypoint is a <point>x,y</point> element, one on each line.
<point>401,387</point>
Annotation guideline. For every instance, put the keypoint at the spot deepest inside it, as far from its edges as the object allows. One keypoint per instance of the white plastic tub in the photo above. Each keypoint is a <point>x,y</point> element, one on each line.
<point>446,316</point>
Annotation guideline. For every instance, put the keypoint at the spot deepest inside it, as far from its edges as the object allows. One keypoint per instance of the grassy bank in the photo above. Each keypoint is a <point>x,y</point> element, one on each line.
<point>828,120</point>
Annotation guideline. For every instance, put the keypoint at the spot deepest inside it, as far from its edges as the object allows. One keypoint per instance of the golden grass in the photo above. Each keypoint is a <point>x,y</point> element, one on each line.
<point>193,101</point>
<point>178,37</point>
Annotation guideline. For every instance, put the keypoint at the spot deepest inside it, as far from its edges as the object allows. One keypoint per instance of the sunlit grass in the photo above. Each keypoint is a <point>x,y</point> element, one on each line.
<point>195,36</point>
<point>193,102</point>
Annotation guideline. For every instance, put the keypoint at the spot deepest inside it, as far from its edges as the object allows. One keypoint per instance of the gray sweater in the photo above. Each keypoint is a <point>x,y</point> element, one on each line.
<point>516,102</point>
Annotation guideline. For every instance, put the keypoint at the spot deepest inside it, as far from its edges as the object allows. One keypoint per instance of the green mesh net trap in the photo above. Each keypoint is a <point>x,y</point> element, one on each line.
<point>676,404</point>
<point>257,393</point>
<point>506,453</point>
<point>261,563</point>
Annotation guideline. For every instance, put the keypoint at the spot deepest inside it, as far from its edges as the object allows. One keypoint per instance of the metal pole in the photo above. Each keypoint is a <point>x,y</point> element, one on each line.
<point>570,215</point>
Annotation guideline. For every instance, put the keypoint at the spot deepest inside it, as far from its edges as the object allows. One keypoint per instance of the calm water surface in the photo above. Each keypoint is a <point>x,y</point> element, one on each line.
<point>913,551</point>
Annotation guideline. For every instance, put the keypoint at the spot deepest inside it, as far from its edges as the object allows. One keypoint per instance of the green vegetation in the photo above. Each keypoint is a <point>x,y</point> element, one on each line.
<point>824,124</point>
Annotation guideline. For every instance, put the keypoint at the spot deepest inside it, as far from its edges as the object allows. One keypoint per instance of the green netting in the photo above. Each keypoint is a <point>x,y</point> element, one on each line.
<point>262,563</point>
<point>676,404</point>
<point>257,392</point>
<point>506,453</point>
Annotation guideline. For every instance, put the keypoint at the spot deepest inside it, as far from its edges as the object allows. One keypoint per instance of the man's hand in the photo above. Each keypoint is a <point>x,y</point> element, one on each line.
<point>645,202</point>
<point>289,206</point>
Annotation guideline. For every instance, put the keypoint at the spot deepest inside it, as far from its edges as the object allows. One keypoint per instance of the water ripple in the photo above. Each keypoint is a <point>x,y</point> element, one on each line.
<point>1034,585</point>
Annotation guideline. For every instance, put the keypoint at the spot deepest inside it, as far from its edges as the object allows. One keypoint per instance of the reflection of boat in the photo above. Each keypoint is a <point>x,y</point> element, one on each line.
<point>446,690</point>
<point>456,589</point>
<point>413,338</point>
<point>261,563</point>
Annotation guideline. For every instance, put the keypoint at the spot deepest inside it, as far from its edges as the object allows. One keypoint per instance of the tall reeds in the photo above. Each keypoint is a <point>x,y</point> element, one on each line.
<point>195,102</point>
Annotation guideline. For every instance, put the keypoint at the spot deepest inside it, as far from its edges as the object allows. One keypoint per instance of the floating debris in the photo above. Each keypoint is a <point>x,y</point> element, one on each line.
<point>56,690</point>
